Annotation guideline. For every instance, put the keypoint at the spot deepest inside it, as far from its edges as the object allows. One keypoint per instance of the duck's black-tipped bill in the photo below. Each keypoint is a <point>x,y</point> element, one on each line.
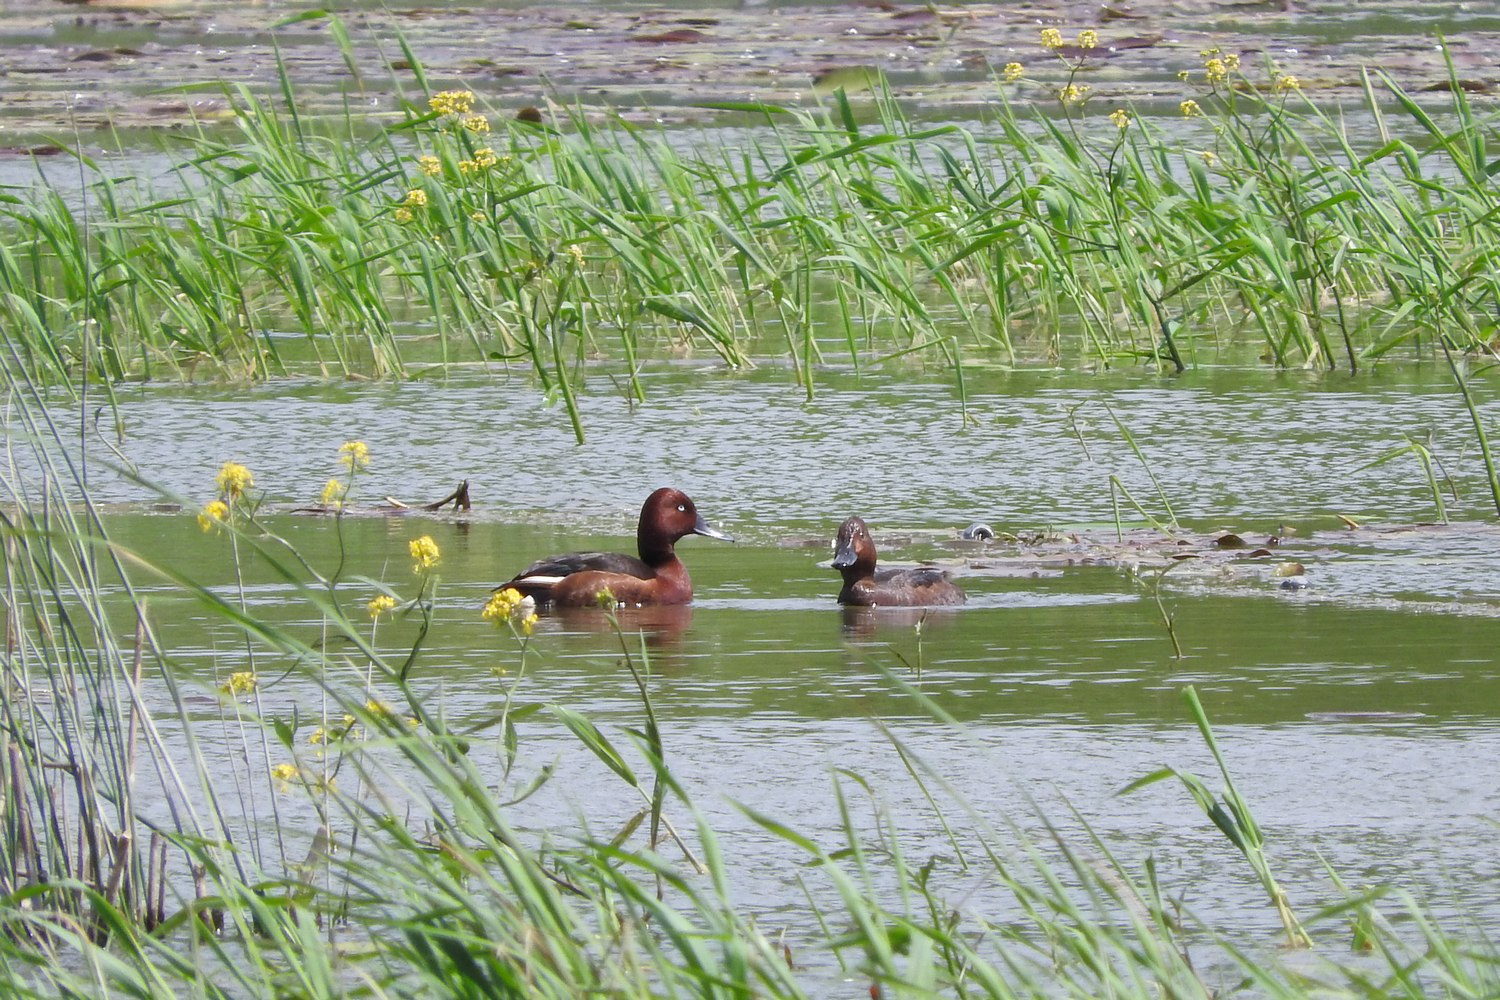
<point>702,527</point>
<point>843,556</point>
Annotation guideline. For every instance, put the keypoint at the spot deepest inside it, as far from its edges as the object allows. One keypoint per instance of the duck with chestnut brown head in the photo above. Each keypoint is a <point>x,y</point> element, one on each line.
<point>854,557</point>
<point>578,579</point>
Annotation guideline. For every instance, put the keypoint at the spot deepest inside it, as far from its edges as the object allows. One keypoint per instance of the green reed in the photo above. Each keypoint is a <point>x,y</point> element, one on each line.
<point>283,243</point>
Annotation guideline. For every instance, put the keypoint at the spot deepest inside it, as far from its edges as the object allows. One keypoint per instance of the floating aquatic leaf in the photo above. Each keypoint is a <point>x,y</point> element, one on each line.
<point>1288,569</point>
<point>676,35</point>
<point>849,79</point>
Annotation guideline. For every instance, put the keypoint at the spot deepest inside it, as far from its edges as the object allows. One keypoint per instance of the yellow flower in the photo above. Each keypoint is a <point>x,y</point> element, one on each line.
<point>1190,109</point>
<point>213,514</point>
<point>1121,118</point>
<point>1216,71</point>
<point>1287,83</point>
<point>576,252</point>
<point>509,606</point>
<point>467,166</point>
<point>333,494</point>
<point>1232,60</point>
<point>478,216</point>
<point>234,479</point>
<point>1073,94</point>
<point>1183,75</point>
<point>431,165</point>
<point>1088,38</point>
<point>380,604</point>
<point>1207,54</point>
<point>1051,38</point>
<point>485,157</point>
<point>355,454</point>
<point>1209,157</point>
<point>475,123</point>
<point>403,214</point>
<point>380,709</point>
<point>425,551</point>
<point>501,603</point>
<point>242,682</point>
<point>416,198</point>
<point>1013,72</point>
<point>451,102</point>
<point>285,774</point>
<point>319,737</point>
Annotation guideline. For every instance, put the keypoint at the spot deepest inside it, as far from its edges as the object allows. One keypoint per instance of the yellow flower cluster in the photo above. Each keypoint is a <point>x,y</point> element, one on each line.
<point>1231,60</point>
<point>213,514</point>
<point>1073,94</point>
<point>1121,118</point>
<point>1051,38</point>
<point>1190,109</point>
<point>478,216</point>
<point>403,214</point>
<point>431,165</point>
<point>1215,71</point>
<point>380,710</point>
<point>242,682</point>
<point>509,606</point>
<point>332,495</point>
<point>1286,83</point>
<point>356,454</point>
<point>1013,71</point>
<point>425,553</point>
<point>485,157</point>
<point>380,604</point>
<point>451,102</point>
<point>475,123</point>
<point>576,252</point>
<point>322,736</point>
<point>285,774</point>
<point>416,198</point>
<point>233,479</point>
<point>1088,39</point>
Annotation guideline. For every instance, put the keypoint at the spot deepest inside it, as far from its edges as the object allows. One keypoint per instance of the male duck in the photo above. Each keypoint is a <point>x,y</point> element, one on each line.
<point>657,577</point>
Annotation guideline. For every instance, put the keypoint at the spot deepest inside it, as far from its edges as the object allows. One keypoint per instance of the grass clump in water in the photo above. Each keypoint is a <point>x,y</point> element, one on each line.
<point>453,237</point>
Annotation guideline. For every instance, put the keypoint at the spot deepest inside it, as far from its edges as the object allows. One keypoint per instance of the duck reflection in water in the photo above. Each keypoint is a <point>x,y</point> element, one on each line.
<point>661,624</point>
<point>862,621</point>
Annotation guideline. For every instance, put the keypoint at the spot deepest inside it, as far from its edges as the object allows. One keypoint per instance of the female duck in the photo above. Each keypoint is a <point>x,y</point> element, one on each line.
<point>854,556</point>
<point>657,577</point>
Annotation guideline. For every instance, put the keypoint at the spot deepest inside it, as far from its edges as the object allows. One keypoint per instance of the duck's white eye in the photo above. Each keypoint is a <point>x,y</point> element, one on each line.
<point>681,508</point>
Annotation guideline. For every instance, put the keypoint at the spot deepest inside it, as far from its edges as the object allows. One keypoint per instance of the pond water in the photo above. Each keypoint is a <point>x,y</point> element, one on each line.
<point>1359,714</point>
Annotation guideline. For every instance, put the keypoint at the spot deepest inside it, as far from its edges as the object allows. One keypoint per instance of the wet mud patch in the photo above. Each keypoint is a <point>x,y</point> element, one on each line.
<point>161,62</point>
